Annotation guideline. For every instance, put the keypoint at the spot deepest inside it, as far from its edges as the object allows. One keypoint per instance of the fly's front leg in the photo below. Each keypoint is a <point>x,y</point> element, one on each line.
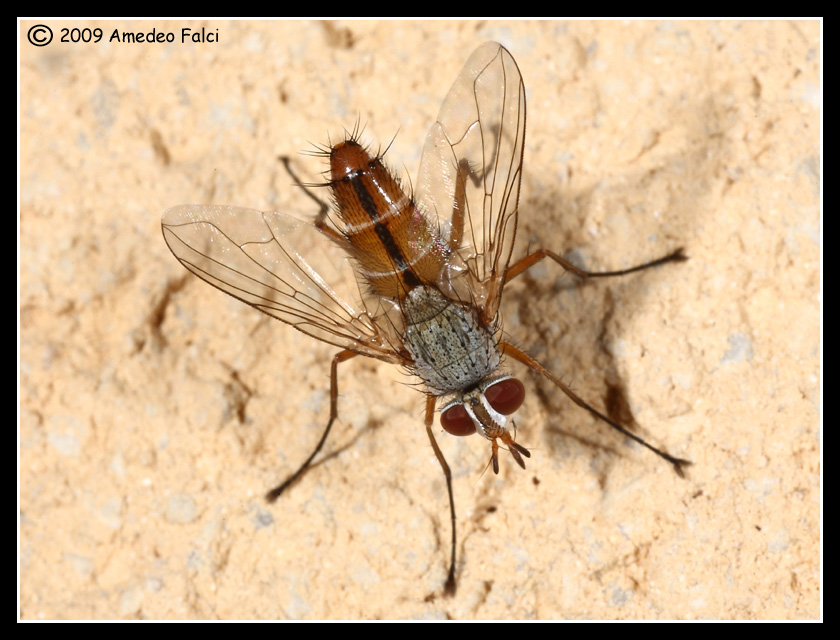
<point>530,260</point>
<point>519,355</point>
<point>340,357</point>
<point>449,588</point>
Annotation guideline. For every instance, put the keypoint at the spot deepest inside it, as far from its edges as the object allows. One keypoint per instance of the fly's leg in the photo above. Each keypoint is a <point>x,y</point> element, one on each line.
<point>456,231</point>
<point>449,588</point>
<point>519,355</point>
<point>321,220</point>
<point>530,260</point>
<point>456,234</point>
<point>340,357</point>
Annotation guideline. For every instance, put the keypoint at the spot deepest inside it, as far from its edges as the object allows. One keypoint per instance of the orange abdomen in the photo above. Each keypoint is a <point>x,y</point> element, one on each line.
<point>395,247</point>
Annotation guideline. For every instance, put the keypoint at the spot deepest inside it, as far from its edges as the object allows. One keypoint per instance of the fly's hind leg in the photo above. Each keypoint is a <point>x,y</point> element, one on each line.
<point>322,219</point>
<point>530,260</point>
<point>340,357</point>
<point>456,229</point>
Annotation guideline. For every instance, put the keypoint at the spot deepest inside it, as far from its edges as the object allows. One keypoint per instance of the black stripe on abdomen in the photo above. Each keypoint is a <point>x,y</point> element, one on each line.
<point>384,234</point>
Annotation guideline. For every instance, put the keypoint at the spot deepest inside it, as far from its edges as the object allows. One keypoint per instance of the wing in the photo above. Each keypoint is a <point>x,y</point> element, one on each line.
<point>471,169</point>
<point>256,258</point>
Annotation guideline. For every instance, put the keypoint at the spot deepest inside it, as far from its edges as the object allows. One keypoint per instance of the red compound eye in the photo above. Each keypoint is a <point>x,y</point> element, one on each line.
<point>456,421</point>
<point>505,396</point>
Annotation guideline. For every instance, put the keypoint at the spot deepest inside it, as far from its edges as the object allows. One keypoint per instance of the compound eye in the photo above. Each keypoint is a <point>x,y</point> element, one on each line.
<point>456,421</point>
<point>505,396</point>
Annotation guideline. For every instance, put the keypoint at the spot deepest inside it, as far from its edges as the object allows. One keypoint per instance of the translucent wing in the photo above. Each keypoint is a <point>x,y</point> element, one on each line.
<point>471,169</point>
<point>255,257</point>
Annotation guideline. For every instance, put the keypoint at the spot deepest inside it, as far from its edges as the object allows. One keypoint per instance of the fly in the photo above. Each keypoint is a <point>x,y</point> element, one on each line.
<point>431,267</point>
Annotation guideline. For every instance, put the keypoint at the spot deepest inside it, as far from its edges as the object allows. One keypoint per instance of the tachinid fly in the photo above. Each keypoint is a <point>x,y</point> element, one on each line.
<point>430,267</point>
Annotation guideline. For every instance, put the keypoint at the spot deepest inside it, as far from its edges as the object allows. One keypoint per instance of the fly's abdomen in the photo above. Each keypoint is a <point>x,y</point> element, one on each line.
<point>393,244</point>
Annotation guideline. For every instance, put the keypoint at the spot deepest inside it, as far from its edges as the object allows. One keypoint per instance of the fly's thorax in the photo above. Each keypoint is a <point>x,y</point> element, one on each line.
<point>395,247</point>
<point>451,349</point>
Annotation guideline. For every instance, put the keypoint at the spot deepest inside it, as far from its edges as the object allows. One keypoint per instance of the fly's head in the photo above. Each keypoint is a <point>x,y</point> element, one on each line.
<point>485,409</point>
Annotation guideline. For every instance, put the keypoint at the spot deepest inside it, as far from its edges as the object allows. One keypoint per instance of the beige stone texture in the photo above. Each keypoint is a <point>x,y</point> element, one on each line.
<point>156,411</point>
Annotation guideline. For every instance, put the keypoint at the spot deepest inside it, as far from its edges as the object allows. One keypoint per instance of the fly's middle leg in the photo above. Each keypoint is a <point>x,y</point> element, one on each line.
<point>517,354</point>
<point>340,357</point>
